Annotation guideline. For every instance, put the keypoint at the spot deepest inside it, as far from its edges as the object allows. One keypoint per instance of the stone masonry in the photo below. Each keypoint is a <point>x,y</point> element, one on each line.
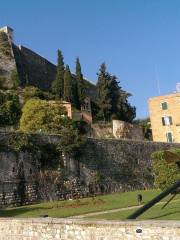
<point>63,229</point>
<point>104,166</point>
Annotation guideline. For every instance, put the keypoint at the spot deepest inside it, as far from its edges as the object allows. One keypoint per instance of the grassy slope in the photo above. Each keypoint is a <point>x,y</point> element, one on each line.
<point>77,207</point>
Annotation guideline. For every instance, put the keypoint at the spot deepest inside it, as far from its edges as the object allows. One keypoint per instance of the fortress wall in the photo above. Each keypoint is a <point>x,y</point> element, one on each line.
<point>39,71</point>
<point>104,166</point>
<point>65,229</point>
<point>118,165</point>
<point>7,61</point>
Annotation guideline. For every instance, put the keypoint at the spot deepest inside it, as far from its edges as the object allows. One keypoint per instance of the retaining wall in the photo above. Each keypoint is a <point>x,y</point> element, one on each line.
<point>62,229</point>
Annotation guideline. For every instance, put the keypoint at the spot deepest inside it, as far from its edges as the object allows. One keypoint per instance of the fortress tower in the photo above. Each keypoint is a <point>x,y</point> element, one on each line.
<point>8,31</point>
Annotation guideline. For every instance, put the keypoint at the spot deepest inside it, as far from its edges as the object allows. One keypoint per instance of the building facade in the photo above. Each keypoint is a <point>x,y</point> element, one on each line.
<point>165,117</point>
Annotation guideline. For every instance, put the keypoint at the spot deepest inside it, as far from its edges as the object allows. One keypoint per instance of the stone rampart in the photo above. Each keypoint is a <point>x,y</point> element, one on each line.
<point>64,229</point>
<point>104,166</point>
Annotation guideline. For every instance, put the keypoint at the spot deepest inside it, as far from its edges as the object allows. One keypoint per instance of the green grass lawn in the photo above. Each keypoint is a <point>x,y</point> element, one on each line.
<point>77,207</point>
<point>170,212</point>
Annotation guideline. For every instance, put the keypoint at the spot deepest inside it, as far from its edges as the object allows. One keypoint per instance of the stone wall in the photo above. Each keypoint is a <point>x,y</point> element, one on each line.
<point>112,165</point>
<point>34,69</point>
<point>123,129</point>
<point>7,61</point>
<point>117,129</point>
<point>104,166</point>
<point>61,229</point>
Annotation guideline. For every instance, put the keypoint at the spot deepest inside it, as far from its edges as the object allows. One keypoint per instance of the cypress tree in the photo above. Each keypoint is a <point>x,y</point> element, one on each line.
<point>104,93</point>
<point>80,82</point>
<point>75,97</point>
<point>67,84</point>
<point>58,83</point>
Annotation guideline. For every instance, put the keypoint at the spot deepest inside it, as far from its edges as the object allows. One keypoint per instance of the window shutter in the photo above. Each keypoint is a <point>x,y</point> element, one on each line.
<point>163,121</point>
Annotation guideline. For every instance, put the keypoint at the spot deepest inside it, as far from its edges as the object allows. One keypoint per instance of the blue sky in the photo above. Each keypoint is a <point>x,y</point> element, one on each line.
<point>138,39</point>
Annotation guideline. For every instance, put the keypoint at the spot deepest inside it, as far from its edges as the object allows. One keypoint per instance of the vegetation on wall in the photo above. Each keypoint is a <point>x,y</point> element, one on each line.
<point>15,79</point>
<point>146,127</point>
<point>10,110</point>
<point>165,174</point>
<point>2,81</point>
<point>5,48</point>
<point>41,116</point>
<point>71,141</point>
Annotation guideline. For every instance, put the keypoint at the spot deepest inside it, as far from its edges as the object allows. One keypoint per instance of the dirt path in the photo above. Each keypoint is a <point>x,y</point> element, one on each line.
<point>115,210</point>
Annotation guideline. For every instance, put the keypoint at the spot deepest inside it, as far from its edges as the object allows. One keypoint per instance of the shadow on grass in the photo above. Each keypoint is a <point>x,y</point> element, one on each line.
<point>165,215</point>
<point>18,211</point>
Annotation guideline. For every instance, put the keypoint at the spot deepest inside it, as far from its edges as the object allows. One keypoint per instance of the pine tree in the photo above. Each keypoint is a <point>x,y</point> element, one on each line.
<point>67,84</point>
<point>58,83</point>
<point>80,82</point>
<point>104,93</point>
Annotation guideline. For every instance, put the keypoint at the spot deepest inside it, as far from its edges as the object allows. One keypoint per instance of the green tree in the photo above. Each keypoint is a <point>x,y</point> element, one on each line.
<point>58,83</point>
<point>103,93</point>
<point>112,100</point>
<point>70,141</point>
<point>146,127</point>
<point>67,84</point>
<point>125,111</point>
<point>164,174</point>
<point>43,116</point>
<point>80,82</point>
<point>75,97</point>
<point>32,92</point>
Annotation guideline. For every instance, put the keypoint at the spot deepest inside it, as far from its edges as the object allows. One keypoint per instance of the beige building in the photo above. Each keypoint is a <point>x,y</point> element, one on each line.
<point>165,117</point>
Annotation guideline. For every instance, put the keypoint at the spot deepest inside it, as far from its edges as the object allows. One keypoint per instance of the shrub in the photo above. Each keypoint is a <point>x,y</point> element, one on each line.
<point>165,174</point>
<point>10,110</point>
<point>32,92</point>
<point>70,142</point>
<point>43,117</point>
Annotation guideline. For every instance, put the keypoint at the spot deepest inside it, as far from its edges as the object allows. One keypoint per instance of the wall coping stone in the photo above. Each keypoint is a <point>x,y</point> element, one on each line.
<point>74,221</point>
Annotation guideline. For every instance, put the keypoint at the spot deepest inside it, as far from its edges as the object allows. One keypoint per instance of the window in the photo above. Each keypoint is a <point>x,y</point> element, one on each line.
<point>167,120</point>
<point>169,137</point>
<point>164,106</point>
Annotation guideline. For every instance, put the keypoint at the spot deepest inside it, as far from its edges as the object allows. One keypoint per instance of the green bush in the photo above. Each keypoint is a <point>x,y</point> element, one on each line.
<point>164,174</point>
<point>70,141</point>
<point>32,92</point>
<point>80,125</point>
<point>10,110</point>
<point>42,116</point>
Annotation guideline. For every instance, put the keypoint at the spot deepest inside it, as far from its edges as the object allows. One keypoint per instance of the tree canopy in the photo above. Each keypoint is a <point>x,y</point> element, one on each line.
<point>43,116</point>
<point>111,99</point>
